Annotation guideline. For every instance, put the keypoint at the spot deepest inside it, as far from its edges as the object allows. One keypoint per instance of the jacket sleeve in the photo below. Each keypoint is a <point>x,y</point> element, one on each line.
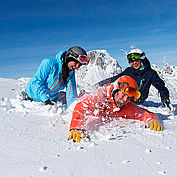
<point>109,80</point>
<point>88,106</point>
<point>40,79</point>
<point>135,112</point>
<point>81,110</point>
<point>114,78</point>
<point>159,84</point>
<point>71,91</point>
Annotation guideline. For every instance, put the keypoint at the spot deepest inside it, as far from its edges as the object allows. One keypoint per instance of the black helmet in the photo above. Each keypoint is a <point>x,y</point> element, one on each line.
<point>77,54</point>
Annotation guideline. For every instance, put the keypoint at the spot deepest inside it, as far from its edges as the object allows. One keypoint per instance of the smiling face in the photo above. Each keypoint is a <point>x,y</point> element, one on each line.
<point>136,64</point>
<point>121,99</point>
<point>72,65</point>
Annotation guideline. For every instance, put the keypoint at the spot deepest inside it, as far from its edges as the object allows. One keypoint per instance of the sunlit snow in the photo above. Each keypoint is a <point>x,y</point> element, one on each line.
<point>34,143</point>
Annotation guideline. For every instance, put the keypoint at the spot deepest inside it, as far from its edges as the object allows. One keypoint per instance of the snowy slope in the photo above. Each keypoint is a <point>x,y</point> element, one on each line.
<point>33,140</point>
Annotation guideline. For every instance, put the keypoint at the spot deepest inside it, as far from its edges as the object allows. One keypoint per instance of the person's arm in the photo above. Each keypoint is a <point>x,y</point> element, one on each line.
<point>71,90</point>
<point>109,80</point>
<point>145,115</point>
<point>82,109</point>
<point>77,126</point>
<point>114,78</point>
<point>159,84</point>
<point>40,79</point>
<point>150,119</point>
<point>88,106</point>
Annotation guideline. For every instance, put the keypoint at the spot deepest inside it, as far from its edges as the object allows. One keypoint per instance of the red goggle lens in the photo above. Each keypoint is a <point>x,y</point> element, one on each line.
<point>84,60</point>
<point>131,92</point>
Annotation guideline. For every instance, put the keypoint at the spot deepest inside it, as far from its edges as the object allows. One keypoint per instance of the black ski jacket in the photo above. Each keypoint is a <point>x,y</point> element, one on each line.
<point>144,78</point>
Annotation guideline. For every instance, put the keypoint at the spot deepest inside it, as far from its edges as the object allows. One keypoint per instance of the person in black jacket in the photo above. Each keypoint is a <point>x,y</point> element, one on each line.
<point>144,75</point>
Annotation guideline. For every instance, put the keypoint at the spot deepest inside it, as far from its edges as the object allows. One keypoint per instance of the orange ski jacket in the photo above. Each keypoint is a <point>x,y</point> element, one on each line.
<point>100,104</point>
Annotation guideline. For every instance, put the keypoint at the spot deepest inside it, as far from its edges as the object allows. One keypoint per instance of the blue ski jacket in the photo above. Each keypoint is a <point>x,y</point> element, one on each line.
<point>145,76</point>
<point>48,81</point>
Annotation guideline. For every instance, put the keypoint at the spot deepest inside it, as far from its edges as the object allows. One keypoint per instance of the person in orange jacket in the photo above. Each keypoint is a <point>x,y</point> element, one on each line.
<point>109,102</point>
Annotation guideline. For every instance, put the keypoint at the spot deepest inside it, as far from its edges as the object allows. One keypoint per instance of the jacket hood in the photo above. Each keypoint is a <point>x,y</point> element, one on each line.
<point>61,56</point>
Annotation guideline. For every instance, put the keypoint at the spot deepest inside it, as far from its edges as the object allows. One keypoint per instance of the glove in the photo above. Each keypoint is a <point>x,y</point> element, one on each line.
<point>166,102</point>
<point>82,92</point>
<point>48,102</point>
<point>76,134</point>
<point>154,125</point>
<point>168,105</point>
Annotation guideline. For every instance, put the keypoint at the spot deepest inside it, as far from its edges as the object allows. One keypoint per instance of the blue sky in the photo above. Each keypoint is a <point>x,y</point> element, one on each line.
<point>33,30</point>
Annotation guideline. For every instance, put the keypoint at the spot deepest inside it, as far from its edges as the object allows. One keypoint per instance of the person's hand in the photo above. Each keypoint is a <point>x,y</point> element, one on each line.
<point>76,135</point>
<point>154,125</point>
<point>168,105</point>
<point>48,102</point>
<point>82,92</point>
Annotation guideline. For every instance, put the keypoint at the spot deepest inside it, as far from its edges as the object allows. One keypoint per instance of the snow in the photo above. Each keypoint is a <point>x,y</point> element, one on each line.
<point>101,65</point>
<point>34,143</point>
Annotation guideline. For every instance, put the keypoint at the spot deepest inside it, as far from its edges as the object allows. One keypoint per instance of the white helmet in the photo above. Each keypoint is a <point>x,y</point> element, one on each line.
<point>136,54</point>
<point>136,51</point>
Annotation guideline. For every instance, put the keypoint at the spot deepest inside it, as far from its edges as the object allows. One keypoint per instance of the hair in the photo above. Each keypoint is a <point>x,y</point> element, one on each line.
<point>65,73</point>
<point>65,69</point>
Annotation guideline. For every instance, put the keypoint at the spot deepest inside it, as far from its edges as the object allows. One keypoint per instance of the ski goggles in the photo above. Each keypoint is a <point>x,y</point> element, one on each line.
<point>132,93</point>
<point>134,56</point>
<point>84,60</point>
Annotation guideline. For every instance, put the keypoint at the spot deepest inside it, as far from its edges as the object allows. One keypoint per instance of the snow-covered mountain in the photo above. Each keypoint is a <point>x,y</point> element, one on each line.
<point>169,75</point>
<point>33,137</point>
<point>101,65</point>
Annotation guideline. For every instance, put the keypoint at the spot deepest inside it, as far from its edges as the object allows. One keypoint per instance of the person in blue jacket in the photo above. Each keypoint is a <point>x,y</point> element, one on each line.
<point>144,75</point>
<point>55,74</point>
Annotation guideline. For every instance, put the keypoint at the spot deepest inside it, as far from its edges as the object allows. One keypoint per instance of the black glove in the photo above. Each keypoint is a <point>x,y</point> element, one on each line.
<point>48,102</point>
<point>82,92</point>
<point>166,103</point>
